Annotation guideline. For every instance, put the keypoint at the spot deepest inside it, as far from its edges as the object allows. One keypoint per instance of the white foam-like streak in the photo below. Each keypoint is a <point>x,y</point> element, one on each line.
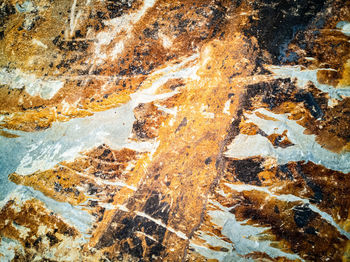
<point>116,26</point>
<point>34,151</point>
<point>143,146</point>
<point>230,256</point>
<point>290,198</point>
<point>170,72</point>
<point>75,217</point>
<point>73,18</point>
<point>119,184</point>
<point>344,26</point>
<point>215,241</point>
<point>8,249</point>
<point>112,127</point>
<point>101,182</point>
<point>245,238</point>
<point>160,223</point>
<point>305,147</point>
<point>33,85</point>
<point>308,75</point>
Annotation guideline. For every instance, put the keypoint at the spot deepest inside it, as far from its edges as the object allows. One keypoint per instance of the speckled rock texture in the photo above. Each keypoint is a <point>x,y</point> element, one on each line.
<point>174,130</point>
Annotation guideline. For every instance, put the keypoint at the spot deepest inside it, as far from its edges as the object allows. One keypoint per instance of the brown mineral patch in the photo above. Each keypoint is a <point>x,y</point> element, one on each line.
<point>248,128</point>
<point>73,100</point>
<point>309,107</point>
<point>110,164</point>
<point>322,46</point>
<point>328,77</point>
<point>280,140</point>
<point>41,234</point>
<point>345,79</point>
<point>267,177</point>
<point>285,235</point>
<point>83,179</point>
<point>60,187</point>
<point>148,120</point>
<point>188,148</point>
<point>65,60</point>
<point>7,134</point>
<point>261,115</point>
<point>31,215</point>
<point>309,248</point>
<point>190,24</point>
<point>62,40</point>
<point>332,130</point>
<point>34,120</point>
<point>326,45</point>
<point>171,85</point>
<point>323,187</point>
<point>334,188</point>
<point>151,206</point>
<point>294,226</point>
<point>346,256</point>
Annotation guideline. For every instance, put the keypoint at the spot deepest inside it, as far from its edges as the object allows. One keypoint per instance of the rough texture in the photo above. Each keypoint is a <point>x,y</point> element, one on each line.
<point>159,130</point>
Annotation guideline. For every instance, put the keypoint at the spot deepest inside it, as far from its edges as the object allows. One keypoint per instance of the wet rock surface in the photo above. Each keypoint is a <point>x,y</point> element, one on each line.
<point>163,130</point>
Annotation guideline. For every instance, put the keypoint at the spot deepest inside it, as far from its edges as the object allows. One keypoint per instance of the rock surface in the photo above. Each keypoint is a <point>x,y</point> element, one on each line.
<point>158,130</point>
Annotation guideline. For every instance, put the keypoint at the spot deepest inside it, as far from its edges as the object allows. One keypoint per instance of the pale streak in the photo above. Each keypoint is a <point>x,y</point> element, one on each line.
<point>290,198</point>
<point>305,146</point>
<point>148,236</point>
<point>101,182</point>
<point>245,238</point>
<point>116,26</point>
<point>75,217</point>
<point>16,79</point>
<point>303,76</point>
<point>73,18</point>
<point>160,223</point>
<point>63,141</point>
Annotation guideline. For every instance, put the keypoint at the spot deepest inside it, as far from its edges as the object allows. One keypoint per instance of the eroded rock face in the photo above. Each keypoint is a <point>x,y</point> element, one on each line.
<point>174,130</point>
